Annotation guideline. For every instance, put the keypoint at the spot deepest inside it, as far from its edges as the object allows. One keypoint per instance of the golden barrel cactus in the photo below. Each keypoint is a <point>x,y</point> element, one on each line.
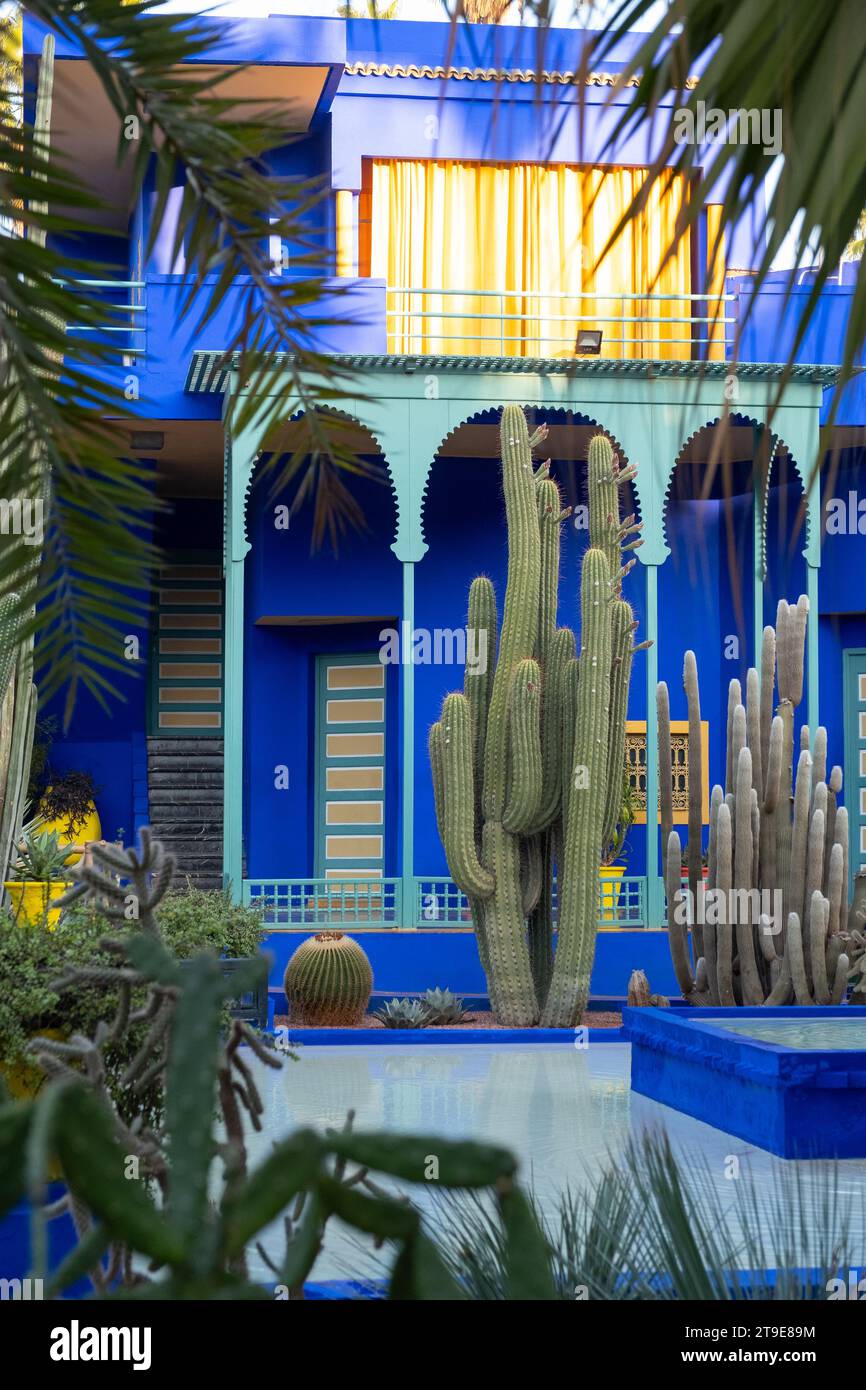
<point>328,982</point>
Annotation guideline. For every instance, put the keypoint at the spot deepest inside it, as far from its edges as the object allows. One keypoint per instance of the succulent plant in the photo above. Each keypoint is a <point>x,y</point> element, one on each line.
<point>771,833</point>
<point>404,1013</point>
<point>41,857</point>
<point>328,982</point>
<point>444,1007</point>
<point>527,761</point>
<point>640,996</point>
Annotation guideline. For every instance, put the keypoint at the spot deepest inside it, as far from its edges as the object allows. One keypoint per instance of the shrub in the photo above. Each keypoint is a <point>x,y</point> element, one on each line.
<point>32,960</point>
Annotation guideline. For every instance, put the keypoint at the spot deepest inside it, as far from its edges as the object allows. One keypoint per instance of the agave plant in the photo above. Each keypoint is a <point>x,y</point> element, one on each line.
<point>652,1226</point>
<point>41,857</point>
<point>444,1007</point>
<point>404,1013</point>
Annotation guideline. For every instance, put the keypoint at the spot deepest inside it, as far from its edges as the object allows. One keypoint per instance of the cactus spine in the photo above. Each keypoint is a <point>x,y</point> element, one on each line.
<point>528,761</point>
<point>776,839</point>
<point>328,982</point>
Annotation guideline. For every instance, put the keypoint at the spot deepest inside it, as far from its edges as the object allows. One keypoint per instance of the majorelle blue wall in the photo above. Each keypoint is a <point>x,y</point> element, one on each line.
<point>700,607</point>
<point>106,742</point>
<point>464,526</point>
<point>841,588</point>
<point>288,579</point>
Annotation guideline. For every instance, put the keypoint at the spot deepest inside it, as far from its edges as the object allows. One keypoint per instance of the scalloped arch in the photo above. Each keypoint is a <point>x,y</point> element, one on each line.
<point>548,413</point>
<point>739,417</point>
<point>337,414</point>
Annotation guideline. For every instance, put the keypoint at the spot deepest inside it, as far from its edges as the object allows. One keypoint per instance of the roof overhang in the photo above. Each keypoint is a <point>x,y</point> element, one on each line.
<point>210,371</point>
<point>288,68</point>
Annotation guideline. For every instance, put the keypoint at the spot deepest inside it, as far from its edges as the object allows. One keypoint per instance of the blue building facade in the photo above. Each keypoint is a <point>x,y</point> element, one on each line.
<point>469,185</point>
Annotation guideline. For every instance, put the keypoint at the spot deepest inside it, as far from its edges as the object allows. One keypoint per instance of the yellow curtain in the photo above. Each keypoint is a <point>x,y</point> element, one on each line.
<point>715,285</point>
<point>531,237</point>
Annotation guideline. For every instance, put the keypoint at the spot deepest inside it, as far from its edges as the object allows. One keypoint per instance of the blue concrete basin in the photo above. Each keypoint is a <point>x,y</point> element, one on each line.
<point>791,1080</point>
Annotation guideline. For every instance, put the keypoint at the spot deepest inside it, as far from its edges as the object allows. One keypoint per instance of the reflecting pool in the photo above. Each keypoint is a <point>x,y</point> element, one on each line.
<point>562,1110</point>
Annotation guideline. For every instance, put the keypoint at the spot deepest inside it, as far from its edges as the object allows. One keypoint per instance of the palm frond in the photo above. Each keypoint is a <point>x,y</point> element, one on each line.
<point>803,64</point>
<point>61,409</point>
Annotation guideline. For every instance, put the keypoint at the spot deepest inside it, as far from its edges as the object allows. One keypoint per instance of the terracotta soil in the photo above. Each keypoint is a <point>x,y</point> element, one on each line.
<point>480,1019</point>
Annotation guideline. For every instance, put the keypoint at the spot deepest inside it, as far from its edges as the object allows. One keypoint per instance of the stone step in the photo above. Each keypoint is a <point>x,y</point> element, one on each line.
<point>185,780</point>
<point>194,863</point>
<point>185,785</point>
<point>176,747</point>
<point>187,829</point>
<point>191,802</point>
<point>184,764</point>
<point>163,831</point>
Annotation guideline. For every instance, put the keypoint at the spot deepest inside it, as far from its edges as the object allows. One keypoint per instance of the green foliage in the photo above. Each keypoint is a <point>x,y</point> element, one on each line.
<point>70,798</point>
<point>32,962</point>
<point>626,813</point>
<point>443,1006</point>
<point>654,1226</point>
<point>805,60</point>
<point>199,1245</point>
<point>59,410</point>
<point>193,919</point>
<point>404,1013</point>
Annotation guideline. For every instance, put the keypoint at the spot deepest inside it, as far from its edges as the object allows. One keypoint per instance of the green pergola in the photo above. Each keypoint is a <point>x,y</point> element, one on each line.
<point>410,405</point>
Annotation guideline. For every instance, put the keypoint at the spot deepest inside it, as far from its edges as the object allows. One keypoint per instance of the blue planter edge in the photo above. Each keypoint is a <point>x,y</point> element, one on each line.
<point>390,1037</point>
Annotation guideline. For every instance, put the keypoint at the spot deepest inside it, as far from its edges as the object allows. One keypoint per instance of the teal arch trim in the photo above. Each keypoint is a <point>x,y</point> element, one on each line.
<point>410,405</point>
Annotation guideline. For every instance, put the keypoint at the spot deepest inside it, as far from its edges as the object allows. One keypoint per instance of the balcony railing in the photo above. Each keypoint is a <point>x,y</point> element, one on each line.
<point>535,323</point>
<point>124,327</point>
<point>319,903</point>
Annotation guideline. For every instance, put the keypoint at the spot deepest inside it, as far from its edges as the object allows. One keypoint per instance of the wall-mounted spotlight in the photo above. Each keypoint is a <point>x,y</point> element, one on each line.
<point>588,342</point>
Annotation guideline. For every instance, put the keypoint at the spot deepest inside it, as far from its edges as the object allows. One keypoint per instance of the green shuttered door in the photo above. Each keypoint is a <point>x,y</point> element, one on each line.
<point>350,767</point>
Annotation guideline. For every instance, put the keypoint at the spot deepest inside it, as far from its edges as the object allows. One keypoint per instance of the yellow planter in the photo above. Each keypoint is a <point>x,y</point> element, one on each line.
<point>30,901</point>
<point>24,1079</point>
<point>610,875</point>
<point>89,829</point>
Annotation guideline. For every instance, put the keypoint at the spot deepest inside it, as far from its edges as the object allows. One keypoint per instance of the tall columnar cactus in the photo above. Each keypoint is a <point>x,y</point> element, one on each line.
<point>18,698</point>
<point>774,919</point>
<point>328,981</point>
<point>523,760</point>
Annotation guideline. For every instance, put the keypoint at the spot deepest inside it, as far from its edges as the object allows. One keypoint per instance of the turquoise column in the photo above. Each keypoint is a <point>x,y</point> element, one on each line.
<point>407,669</point>
<point>800,430</point>
<point>813,561</point>
<point>240,454</point>
<point>812,673</point>
<point>409,434</point>
<point>655,886</point>
<point>758,571</point>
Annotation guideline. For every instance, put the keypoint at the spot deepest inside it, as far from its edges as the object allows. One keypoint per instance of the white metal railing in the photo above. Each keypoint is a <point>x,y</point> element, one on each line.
<point>540,323</point>
<point>126,318</point>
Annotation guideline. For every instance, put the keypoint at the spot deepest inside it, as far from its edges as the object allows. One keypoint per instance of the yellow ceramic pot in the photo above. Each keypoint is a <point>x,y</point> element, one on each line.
<point>610,875</point>
<point>89,829</point>
<point>30,901</point>
<point>24,1079</point>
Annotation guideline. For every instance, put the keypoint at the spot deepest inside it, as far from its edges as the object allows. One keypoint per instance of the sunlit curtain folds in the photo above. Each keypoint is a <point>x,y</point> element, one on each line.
<point>518,249</point>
